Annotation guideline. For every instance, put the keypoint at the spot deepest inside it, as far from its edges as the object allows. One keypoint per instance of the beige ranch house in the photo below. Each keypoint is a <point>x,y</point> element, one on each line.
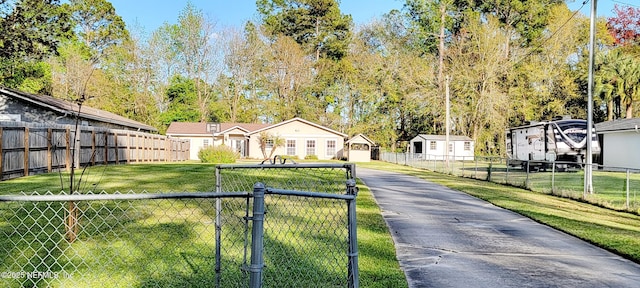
<point>301,138</point>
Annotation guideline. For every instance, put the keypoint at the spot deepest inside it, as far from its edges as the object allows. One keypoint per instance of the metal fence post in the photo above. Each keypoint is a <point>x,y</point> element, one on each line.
<point>553,177</point>
<point>526,182</point>
<point>628,175</point>
<point>475,172</point>
<point>257,236</point>
<point>506,176</point>
<point>354,275</point>
<point>218,224</point>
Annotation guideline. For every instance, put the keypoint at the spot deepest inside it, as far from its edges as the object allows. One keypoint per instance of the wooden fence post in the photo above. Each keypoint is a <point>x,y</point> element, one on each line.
<point>127,148</point>
<point>106,147</point>
<point>26,151</point>
<point>68,150</point>
<point>115,145</point>
<point>93,147</point>
<point>49,156</point>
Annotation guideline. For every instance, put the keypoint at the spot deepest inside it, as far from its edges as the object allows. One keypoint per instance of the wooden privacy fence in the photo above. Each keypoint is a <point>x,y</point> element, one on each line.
<point>32,148</point>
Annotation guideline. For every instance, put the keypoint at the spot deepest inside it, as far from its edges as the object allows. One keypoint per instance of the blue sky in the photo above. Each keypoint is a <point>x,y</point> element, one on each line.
<point>151,14</point>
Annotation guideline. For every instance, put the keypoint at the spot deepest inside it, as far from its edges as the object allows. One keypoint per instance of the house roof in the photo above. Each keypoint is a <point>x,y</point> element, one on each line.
<point>618,125</point>
<point>360,136</point>
<point>66,107</point>
<point>200,128</point>
<point>187,128</point>
<point>300,120</point>
<point>442,137</point>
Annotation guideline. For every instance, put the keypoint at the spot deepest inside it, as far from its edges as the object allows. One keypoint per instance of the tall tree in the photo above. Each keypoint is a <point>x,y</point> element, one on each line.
<point>243,58</point>
<point>98,26</point>
<point>288,78</point>
<point>317,25</point>
<point>479,104</point>
<point>624,71</point>
<point>30,31</point>
<point>524,20</point>
<point>625,25</point>
<point>99,30</point>
<point>190,49</point>
<point>182,96</point>
<point>195,44</point>
<point>435,24</point>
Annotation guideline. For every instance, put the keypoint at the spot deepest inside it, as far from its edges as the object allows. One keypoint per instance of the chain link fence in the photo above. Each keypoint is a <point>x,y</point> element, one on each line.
<point>613,187</point>
<point>197,239</point>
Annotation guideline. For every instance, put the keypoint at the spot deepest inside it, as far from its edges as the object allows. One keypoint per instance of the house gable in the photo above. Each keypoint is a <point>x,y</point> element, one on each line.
<point>295,125</point>
<point>360,139</point>
<point>302,138</point>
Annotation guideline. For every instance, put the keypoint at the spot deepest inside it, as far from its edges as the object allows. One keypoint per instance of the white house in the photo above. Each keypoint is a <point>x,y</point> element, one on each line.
<point>301,138</point>
<point>358,149</point>
<point>427,146</point>
<point>619,144</point>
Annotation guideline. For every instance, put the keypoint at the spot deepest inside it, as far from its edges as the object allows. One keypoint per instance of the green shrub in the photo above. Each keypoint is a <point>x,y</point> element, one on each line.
<point>217,154</point>
<point>311,157</point>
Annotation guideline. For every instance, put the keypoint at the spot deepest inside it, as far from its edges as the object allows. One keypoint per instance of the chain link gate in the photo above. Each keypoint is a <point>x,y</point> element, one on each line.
<point>196,239</point>
<point>308,237</point>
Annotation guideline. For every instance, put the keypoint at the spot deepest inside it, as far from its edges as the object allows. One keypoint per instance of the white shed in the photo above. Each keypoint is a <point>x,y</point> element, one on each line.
<point>425,146</point>
<point>619,142</point>
<point>358,148</point>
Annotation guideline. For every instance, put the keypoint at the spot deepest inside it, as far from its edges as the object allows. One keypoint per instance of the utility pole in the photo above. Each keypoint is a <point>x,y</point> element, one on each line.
<point>588,169</point>
<point>447,122</point>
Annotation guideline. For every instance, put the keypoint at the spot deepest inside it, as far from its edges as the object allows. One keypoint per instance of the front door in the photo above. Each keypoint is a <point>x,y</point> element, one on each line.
<point>239,147</point>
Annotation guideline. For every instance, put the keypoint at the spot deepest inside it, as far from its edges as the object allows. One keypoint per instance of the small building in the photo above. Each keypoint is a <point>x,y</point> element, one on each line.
<point>358,149</point>
<point>619,142</point>
<point>302,138</point>
<point>432,147</point>
<point>25,107</point>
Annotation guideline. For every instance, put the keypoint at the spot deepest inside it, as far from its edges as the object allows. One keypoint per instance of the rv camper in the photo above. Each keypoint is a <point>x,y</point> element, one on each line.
<point>563,141</point>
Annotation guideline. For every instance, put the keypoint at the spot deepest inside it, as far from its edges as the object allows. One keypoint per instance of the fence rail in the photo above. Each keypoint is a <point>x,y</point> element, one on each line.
<point>613,187</point>
<point>30,148</point>
<point>294,228</point>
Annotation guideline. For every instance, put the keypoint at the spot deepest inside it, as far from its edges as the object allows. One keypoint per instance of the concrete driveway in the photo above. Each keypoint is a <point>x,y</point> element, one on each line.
<point>445,238</point>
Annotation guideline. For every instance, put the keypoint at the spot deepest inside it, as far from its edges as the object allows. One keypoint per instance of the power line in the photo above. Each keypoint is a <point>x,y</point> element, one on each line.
<point>624,3</point>
<point>535,48</point>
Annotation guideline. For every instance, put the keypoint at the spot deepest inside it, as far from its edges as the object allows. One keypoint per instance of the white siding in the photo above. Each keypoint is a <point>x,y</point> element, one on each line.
<point>621,150</point>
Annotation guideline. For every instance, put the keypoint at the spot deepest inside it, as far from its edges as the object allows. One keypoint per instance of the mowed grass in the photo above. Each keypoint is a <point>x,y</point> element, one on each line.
<point>616,231</point>
<point>171,243</point>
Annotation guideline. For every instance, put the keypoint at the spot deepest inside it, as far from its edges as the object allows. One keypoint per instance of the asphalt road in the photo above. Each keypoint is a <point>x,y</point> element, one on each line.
<point>446,238</point>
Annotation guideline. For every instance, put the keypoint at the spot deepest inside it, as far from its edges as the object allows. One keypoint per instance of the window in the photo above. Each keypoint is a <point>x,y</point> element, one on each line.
<point>268,144</point>
<point>331,148</point>
<point>311,147</point>
<point>360,146</point>
<point>467,146</point>
<point>291,147</point>
<point>432,145</point>
<point>205,143</point>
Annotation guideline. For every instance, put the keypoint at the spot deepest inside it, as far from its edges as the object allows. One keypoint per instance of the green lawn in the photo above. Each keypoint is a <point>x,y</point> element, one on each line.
<point>170,243</point>
<point>610,188</point>
<point>617,231</point>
